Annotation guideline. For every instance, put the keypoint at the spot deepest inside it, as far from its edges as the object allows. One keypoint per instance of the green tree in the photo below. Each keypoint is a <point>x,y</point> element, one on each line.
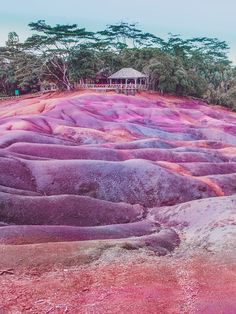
<point>56,45</point>
<point>124,35</point>
<point>22,69</point>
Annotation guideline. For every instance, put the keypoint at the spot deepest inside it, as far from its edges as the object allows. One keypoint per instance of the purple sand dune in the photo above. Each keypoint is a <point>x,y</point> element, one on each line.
<point>39,234</point>
<point>72,210</point>
<point>86,184</point>
<point>73,160</point>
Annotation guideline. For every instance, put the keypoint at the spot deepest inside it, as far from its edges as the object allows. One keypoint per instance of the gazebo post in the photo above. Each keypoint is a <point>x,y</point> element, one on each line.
<point>135,83</point>
<point>126,82</point>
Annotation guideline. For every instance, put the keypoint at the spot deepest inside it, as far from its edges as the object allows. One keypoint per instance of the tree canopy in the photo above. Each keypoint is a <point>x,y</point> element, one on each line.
<point>65,54</point>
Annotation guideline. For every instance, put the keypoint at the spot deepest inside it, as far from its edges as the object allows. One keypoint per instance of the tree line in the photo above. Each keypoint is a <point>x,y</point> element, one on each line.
<point>67,54</point>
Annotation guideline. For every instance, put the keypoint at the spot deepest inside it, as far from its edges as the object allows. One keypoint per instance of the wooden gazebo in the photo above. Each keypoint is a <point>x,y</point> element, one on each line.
<point>126,81</point>
<point>128,76</point>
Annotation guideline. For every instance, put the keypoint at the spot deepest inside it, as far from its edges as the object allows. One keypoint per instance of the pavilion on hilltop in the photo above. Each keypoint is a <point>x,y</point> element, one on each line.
<point>128,76</point>
<point>126,80</point>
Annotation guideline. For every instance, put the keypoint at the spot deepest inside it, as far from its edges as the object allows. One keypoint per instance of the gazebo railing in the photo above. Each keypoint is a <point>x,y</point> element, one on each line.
<point>113,86</point>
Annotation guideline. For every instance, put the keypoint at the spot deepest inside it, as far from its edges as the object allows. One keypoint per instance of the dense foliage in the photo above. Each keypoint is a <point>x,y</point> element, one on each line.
<point>66,54</point>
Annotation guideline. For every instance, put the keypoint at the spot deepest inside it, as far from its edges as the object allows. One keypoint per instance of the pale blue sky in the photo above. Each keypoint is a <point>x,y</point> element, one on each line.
<point>212,18</point>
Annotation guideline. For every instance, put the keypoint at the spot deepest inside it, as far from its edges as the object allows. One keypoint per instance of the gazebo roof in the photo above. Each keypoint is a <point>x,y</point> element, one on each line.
<point>127,73</point>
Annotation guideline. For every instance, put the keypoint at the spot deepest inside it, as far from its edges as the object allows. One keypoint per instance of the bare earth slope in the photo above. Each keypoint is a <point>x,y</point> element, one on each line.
<point>117,204</point>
